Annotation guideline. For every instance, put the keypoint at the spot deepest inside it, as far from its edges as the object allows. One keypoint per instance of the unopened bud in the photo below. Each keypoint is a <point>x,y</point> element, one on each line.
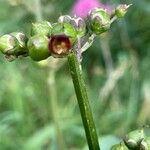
<point>41,28</point>
<point>8,44</point>
<point>121,10</point>
<point>99,20</point>
<point>77,22</point>
<point>38,47</point>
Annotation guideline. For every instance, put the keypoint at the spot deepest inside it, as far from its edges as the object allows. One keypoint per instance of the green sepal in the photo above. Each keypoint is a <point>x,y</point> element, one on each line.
<point>69,30</point>
<point>41,28</point>
<point>64,29</point>
<point>38,47</point>
<point>77,22</point>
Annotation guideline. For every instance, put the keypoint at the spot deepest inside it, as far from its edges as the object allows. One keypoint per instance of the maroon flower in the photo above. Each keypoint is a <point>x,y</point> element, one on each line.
<point>59,45</point>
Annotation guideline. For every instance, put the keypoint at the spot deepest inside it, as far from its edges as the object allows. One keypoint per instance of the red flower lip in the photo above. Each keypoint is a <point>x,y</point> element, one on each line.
<point>59,45</point>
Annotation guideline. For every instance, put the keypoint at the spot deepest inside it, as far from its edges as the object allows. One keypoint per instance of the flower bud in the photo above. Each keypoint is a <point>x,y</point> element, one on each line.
<point>119,147</point>
<point>77,22</point>
<point>38,47</point>
<point>99,20</point>
<point>42,28</point>
<point>8,44</point>
<point>121,10</point>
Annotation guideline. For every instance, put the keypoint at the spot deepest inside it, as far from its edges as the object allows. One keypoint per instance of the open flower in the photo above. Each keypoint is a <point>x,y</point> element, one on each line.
<point>82,7</point>
<point>59,45</point>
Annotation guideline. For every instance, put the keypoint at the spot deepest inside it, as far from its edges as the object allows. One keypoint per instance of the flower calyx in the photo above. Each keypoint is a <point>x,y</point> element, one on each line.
<point>41,28</point>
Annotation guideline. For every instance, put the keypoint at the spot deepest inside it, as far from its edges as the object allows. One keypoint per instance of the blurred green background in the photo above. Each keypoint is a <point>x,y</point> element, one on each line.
<point>38,107</point>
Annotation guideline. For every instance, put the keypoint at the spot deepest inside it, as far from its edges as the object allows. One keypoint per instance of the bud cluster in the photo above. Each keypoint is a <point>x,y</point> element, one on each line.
<point>58,39</point>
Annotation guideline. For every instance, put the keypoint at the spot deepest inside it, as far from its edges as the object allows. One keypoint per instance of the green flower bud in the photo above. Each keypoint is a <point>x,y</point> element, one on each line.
<point>77,22</point>
<point>136,140</point>
<point>119,147</point>
<point>22,41</point>
<point>38,47</point>
<point>8,44</point>
<point>99,20</point>
<point>42,28</point>
<point>121,10</point>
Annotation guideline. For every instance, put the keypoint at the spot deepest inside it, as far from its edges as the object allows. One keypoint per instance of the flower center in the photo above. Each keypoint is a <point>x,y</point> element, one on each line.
<point>59,45</point>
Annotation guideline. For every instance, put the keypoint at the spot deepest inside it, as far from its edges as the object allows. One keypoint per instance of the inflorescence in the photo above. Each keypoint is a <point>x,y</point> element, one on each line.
<point>60,38</point>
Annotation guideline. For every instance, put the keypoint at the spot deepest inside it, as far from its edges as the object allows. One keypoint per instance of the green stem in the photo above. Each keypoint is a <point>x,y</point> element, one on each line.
<point>83,102</point>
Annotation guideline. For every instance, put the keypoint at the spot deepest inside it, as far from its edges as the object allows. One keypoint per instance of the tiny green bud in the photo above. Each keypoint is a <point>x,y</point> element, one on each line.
<point>38,47</point>
<point>119,147</point>
<point>99,20</point>
<point>8,44</point>
<point>121,10</point>
<point>42,28</point>
<point>77,22</point>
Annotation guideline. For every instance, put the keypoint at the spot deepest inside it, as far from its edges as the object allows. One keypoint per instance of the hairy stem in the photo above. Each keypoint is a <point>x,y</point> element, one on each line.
<point>83,102</point>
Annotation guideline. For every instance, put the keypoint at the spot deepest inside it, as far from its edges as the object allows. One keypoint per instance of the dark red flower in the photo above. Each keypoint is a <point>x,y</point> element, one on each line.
<point>59,45</point>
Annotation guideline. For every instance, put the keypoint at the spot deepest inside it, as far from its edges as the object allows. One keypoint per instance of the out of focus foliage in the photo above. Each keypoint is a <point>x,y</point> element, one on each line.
<point>116,70</point>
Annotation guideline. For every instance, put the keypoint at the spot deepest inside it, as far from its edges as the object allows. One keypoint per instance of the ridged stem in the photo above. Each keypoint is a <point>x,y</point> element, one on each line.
<point>83,102</point>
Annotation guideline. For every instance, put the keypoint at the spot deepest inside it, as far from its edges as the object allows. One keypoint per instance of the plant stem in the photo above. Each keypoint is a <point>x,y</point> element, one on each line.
<point>83,102</point>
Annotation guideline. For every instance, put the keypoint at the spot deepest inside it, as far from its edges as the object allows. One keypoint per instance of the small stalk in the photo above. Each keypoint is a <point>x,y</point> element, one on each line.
<point>83,102</point>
